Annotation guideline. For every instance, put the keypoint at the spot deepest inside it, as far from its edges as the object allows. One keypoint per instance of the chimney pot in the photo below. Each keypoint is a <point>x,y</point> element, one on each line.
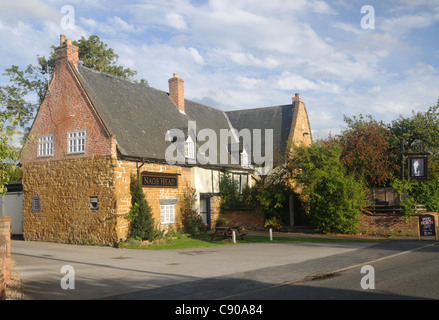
<point>297,98</point>
<point>67,51</point>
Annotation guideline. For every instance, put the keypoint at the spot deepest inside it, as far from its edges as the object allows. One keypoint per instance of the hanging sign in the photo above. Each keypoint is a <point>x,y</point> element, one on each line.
<point>418,168</point>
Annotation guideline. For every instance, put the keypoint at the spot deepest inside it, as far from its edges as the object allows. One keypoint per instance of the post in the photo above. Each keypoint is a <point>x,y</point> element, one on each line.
<point>291,207</point>
<point>271,234</point>
<point>402,159</point>
<point>233,236</point>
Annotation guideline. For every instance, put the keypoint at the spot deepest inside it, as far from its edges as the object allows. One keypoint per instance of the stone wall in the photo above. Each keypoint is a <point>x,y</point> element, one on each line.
<point>5,255</point>
<point>300,126</point>
<point>65,188</point>
<point>123,171</point>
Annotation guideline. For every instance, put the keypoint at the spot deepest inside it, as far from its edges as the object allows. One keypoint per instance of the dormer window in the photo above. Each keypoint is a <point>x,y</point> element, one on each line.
<point>76,142</point>
<point>189,148</point>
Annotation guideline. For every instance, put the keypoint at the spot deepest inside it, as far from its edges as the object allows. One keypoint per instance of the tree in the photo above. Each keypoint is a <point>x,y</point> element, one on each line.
<point>367,151</point>
<point>420,131</point>
<point>192,222</point>
<point>8,153</point>
<point>140,215</point>
<point>230,198</point>
<point>95,54</point>
<point>333,195</point>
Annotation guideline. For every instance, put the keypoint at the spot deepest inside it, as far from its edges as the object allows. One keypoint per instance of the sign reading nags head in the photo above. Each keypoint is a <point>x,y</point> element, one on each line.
<point>159,180</point>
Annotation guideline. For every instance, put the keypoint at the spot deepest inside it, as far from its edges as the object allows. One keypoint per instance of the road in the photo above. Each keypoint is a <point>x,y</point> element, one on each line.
<point>258,271</point>
<point>413,275</point>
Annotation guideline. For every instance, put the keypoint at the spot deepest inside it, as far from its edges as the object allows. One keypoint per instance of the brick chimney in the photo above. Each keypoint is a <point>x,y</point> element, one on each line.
<point>297,98</point>
<point>176,91</point>
<point>66,51</point>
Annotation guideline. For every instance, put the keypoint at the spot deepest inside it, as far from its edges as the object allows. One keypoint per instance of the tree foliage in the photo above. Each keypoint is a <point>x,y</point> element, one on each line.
<point>191,220</point>
<point>420,131</point>
<point>95,54</point>
<point>8,154</point>
<point>140,215</point>
<point>367,151</point>
<point>230,198</point>
<point>333,195</point>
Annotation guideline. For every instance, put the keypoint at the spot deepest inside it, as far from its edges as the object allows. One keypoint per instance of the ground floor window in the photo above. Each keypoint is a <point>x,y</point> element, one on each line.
<point>167,213</point>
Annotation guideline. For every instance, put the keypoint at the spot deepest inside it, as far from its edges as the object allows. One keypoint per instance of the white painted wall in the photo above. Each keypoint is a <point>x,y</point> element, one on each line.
<point>11,205</point>
<point>202,181</point>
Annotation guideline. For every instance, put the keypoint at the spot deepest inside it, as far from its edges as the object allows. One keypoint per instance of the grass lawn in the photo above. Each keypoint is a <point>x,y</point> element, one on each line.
<point>186,241</point>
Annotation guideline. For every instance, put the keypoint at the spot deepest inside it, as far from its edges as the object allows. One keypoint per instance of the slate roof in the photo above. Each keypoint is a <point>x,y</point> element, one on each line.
<point>139,116</point>
<point>278,118</point>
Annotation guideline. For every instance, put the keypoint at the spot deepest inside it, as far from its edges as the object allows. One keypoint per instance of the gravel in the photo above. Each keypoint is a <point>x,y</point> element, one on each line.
<point>14,289</point>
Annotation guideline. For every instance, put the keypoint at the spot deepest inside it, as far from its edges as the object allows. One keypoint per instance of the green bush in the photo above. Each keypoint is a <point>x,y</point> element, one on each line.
<point>191,220</point>
<point>274,223</point>
<point>140,214</point>
<point>415,193</point>
<point>335,197</point>
<point>230,198</point>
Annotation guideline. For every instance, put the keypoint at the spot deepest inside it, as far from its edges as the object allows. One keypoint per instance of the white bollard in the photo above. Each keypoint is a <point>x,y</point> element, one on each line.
<point>233,237</point>
<point>271,234</point>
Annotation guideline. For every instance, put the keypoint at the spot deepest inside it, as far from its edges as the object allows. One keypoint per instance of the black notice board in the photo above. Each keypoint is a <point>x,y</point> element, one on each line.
<point>427,226</point>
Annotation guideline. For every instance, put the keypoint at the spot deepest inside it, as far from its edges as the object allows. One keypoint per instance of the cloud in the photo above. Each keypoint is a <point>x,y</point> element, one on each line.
<point>176,21</point>
<point>13,11</point>
<point>254,53</point>
<point>421,69</point>
<point>403,24</point>
<point>295,82</point>
<point>114,26</point>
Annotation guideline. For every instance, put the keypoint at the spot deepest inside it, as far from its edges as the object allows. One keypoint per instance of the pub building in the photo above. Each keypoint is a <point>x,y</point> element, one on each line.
<point>94,131</point>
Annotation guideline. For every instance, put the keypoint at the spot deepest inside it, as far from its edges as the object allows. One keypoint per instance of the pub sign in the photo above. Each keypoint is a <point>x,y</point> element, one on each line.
<point>159,180</point>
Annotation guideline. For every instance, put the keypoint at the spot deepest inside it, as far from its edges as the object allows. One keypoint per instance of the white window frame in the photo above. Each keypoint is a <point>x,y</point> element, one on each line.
<point>76,141</point>
<point>45,145</point>
<point>189,148</point>
<point>244,159</point>
<point>167,213</point>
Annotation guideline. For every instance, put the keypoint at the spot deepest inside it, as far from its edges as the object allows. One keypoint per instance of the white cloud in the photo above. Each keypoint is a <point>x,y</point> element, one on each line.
<point>403,24</point>
<point>421,68</point>
<point>176,21</point>
<point>296,82</point>
<point>113,26</point>
<point>253,53</point>
<point>13,11</point>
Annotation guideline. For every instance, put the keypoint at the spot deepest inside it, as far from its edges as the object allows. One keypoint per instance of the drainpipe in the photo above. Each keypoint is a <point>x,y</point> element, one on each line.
<point>138,170</point>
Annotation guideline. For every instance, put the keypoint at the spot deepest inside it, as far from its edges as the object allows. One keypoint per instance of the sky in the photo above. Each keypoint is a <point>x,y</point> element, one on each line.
<point>344,57</point>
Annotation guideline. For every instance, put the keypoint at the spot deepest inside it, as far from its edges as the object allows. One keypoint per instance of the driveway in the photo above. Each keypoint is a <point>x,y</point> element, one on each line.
<point>201,273</point>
